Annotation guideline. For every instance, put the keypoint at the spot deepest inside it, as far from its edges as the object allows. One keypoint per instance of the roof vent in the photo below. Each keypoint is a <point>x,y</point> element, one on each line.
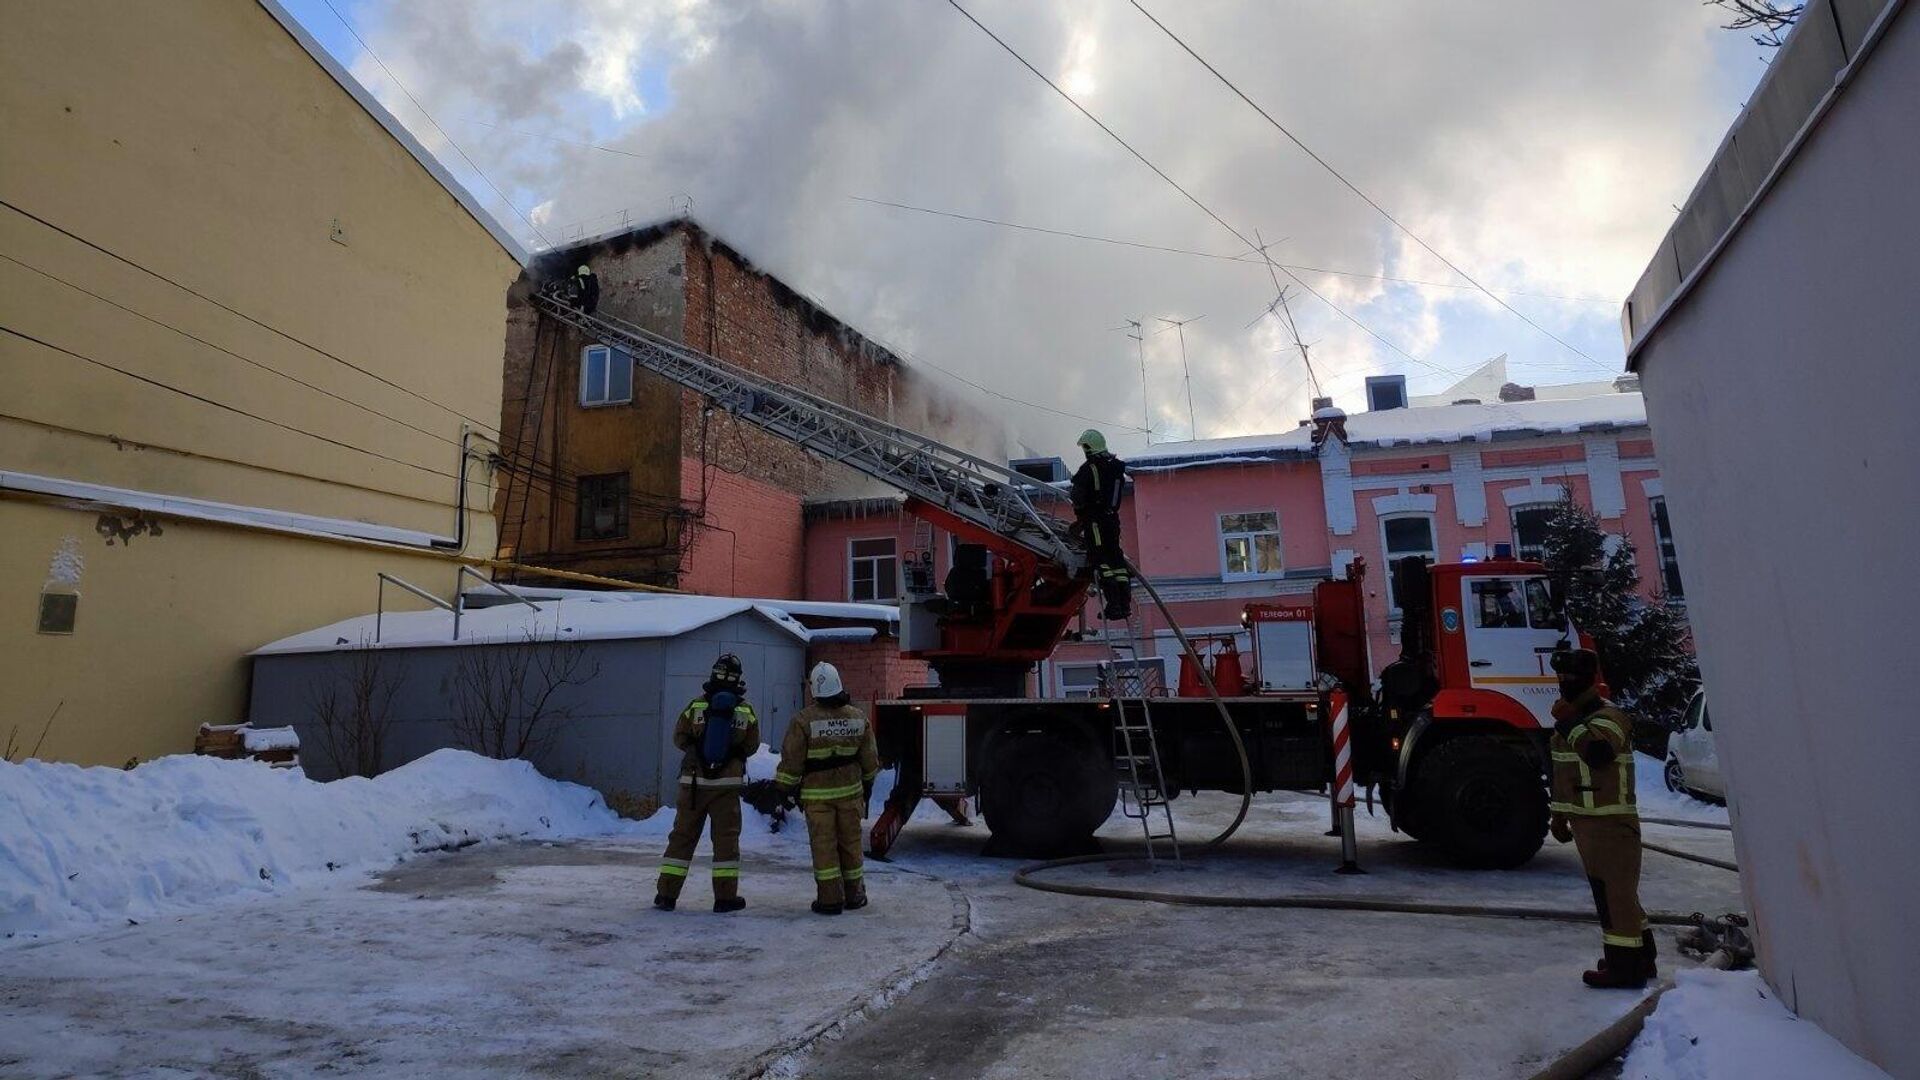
<point>1386,392</point>
<point>1516,392</point>
<point>1466,401</point>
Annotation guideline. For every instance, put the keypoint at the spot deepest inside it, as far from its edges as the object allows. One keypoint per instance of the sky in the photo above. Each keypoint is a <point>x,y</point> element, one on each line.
<point>1537,147</point>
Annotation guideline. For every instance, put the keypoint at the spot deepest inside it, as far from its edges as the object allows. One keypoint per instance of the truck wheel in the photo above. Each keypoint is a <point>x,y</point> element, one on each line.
<point>1045,794</point>
<point>1483,801</point>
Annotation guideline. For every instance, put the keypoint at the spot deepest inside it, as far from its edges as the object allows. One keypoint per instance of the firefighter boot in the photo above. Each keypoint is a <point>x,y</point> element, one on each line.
<point>821,908</point>
<point>1620,969</point>
<point>856,895</point>
<point>663,901</point>
<point>727,904</point>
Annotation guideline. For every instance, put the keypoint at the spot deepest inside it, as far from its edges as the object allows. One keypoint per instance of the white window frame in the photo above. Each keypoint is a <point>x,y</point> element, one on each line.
<point>893,558</point>
<point>1060,670</point>
<point>1387,556</point>
<point>1513,527</point>
<point>1221,535</point>
<point>588,397</point>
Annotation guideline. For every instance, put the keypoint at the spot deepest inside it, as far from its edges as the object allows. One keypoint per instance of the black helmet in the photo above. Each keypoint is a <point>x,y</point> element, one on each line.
<point>727,675</point>
<point>1583,663</point>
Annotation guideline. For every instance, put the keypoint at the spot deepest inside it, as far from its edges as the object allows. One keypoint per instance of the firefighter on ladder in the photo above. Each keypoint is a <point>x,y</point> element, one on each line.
<point>1097,487</point>
<point>1593,806</point>
<point>715,734</point>
<point>829,757</point>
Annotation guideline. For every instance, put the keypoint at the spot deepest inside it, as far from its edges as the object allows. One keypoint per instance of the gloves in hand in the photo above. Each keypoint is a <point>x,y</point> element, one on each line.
<point>1562,830</point>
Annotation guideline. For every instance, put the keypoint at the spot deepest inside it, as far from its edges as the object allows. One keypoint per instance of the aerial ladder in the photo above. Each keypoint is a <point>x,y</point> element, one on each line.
<point>985,643</point>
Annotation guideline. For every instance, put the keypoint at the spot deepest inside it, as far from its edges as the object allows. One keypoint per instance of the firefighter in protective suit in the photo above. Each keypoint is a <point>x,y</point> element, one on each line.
<point>830,758</point>
<point>1097,487</point>
<point>715,734</point>
<point>1593,806</point>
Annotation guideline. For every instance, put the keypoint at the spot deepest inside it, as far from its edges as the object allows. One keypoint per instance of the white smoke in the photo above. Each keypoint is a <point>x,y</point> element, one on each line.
<point>1540,145</point>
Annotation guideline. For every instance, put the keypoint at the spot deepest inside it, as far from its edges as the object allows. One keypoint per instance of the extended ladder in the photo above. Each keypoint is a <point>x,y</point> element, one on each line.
<point>1136,747</point>
<point>989,495</point>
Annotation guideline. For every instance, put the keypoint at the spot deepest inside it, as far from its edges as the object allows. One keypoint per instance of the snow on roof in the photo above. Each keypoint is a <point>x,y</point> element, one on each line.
<point>824,609</point>
<point>636,615</point>
<point>1406,427</point>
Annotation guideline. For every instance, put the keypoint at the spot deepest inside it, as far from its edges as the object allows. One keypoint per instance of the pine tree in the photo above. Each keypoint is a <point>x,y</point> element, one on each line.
<point>1643,646</point>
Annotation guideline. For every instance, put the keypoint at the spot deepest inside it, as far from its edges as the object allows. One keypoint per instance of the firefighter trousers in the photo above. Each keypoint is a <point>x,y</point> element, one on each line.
<point>833,830</point>
<point>699,803</point>
<point>1109,562</point>
<point>1609,846</point>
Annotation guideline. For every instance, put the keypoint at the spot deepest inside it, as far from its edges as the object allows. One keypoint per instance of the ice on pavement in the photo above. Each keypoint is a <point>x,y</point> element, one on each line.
<point>1728,1025</point>
<point>88,846</point>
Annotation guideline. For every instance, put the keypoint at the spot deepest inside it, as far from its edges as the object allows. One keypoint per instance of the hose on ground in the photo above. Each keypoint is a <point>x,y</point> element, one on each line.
<point>1690,856</point>
<point>1611,1041</point>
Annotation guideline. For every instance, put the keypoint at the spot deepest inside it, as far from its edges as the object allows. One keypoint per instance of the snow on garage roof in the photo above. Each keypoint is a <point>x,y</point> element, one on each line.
<point>634,616</point>
<point>1406,427</point>
<point>823,609</point>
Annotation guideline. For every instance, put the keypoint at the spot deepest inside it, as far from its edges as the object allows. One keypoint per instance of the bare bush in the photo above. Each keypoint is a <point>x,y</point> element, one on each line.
<point>1773,20</point>
<point>16,751</point>
<point>508,695</point>
<point>352,711</point>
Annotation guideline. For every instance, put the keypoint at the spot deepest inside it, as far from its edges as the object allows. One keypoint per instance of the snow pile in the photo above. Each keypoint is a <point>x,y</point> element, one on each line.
<point>83,846</point>
<point>1727,1025</point>
<point>1650,791</point>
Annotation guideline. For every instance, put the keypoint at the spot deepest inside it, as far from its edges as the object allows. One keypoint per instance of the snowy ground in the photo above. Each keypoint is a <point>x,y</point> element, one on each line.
<point>542,958</point>
<point>1718,1025</point>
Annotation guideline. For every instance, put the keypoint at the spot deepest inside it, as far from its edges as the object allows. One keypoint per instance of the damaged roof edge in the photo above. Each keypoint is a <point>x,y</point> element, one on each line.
<point>507,241</point>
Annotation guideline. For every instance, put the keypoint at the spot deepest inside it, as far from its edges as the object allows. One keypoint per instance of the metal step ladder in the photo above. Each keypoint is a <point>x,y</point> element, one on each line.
<point>1136,747</point>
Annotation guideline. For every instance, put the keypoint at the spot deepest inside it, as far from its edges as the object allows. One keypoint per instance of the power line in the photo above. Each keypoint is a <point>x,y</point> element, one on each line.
<point>169,387</point>
<point>1221,256</point>
<point>1189,196</point>
<point>1364,197</point>
<point>478,171</point>
<point>548,138</point>
<point>481,425</point>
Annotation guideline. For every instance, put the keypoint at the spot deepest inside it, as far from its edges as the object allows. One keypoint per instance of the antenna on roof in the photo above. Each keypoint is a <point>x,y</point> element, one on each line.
<point>680,205</point>
<point>1286,315</point>
<point>1180,328</point>
<point>1140,346</point>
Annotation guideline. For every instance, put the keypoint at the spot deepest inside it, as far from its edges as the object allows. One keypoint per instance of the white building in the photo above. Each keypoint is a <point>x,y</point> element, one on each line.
<point>1778,343</point>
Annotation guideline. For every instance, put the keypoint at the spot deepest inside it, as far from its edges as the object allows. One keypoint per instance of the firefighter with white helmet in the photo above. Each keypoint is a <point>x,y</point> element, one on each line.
<point>1097,488</point>
<point>1593,806</point>
<point>829,757</point>
<point>715,734</point>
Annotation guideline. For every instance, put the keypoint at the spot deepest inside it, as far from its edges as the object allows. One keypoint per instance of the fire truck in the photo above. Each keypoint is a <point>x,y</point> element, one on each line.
<point>1452,735</point>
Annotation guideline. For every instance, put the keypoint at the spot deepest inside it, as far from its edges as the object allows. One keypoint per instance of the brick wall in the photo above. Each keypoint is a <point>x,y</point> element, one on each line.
<point>748,542</point>
<point>870,670</point>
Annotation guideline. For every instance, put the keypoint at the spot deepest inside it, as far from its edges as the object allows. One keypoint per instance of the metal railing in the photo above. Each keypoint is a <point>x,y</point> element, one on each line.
<point>380,608</point>
<point>460,598</point>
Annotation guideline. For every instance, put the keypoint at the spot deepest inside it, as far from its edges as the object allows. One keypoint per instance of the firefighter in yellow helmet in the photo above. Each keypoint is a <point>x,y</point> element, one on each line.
<point>830,758</point>
<point>1097,487</point>
<point>1593,806</point>
<point>715,734</point>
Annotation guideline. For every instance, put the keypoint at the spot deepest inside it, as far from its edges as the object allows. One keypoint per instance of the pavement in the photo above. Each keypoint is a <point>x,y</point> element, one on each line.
<point>544,960</point>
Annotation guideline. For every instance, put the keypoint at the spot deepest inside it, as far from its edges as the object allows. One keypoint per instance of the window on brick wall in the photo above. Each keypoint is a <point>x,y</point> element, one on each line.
<point>1530,527</point>
<point>606,376</point>
<point>1249,545</point>
<point>601,512</point>
<point>1663,542</point>
<point>873,570</point>
<point>1402,535</point>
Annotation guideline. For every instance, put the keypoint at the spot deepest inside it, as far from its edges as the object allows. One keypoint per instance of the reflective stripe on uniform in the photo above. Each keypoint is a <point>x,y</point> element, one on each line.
<point>726,870</point>
<point>1586,784</point>
<point>819,752</point>
<point>831,873</point>
<point>1618,735</point>
<point>855,874</point>
<point>1593,811</point>
<point>673,867</point>
<point>850,791</point>
<point>717,781</point>
<point>1624,941</point>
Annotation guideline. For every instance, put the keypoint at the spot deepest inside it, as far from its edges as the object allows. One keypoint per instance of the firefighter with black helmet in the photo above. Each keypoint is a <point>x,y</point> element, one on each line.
<point>830,758</point>
<point>715,734</point>
<point>1097,487</point>
<point>1593,806</point>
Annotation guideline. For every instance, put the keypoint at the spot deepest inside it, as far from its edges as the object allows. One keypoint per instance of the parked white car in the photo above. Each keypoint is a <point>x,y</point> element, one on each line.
<point>1693,765</point>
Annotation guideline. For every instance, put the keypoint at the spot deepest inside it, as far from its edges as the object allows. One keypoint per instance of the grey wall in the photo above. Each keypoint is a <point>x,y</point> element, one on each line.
<point>1785,396</point>
<point>619,738</point>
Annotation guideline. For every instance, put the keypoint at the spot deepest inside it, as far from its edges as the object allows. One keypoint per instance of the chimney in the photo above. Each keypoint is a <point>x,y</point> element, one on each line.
<point>1516,392</point>
<point>1386,392</point>
<point>1328,419</point>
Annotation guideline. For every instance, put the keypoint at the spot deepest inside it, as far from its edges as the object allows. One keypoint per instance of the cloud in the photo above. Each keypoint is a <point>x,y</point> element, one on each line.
<point>1539,145</point>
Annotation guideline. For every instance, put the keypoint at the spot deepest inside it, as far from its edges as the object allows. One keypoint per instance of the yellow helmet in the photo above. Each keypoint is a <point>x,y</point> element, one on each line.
<point>1092,441</point>
<point>584,270</point>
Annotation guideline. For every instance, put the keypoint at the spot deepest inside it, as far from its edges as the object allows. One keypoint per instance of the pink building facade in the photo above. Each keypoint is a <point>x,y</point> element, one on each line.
<point>1221,524</point>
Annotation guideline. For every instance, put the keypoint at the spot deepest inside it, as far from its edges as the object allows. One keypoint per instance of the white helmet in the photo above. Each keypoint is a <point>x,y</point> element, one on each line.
<point>825,680</point>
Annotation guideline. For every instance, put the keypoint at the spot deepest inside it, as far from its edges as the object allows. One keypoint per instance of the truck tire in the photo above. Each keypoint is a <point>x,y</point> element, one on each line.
<point>1044,794</point>
<point>1482,801</point>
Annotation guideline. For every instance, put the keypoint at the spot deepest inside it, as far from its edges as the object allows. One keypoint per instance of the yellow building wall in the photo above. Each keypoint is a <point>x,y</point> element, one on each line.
<point>198,140</point>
